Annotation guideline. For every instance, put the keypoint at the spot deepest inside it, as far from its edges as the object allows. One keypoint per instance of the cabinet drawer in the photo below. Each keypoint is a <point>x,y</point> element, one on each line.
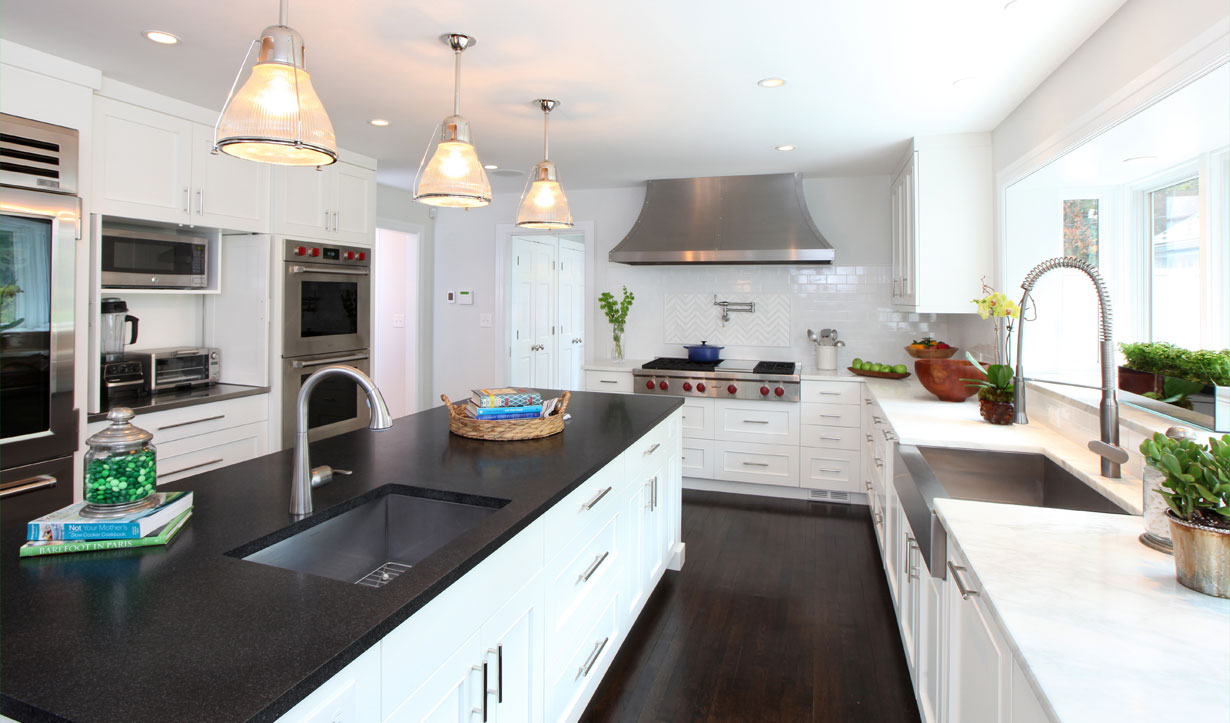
<point>194,455</point>
<point>765,422</point>
<point>608,382</point>
<point>815,435</point>
<point>649,453</point>
<point>831,392</point>
<point>697,421</point>
<point>576,595</point>
<point>202,418</point>
<point>772,464</point>
<point>833,415</point>
<point>697,458</point>
<point>830,469</point>
<point>589,506</point>
<point>570,685</point>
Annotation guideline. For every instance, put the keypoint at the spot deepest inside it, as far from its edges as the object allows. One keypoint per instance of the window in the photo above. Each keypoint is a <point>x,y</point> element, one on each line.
<point>1080,229</point>
<point>1175,273</point>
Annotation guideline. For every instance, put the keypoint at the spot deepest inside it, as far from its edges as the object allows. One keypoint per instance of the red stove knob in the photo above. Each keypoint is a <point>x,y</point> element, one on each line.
<point>662,386</point>
<point>732,389</point>
<point>315,252</point>
<point>687,386</point>
<point>700,387</point>
<point>764,391</point>
<point>649,384</point>
<point>300,251</point>
<point>362,255</point>
<point>350,256</point>
<point>779,391</point>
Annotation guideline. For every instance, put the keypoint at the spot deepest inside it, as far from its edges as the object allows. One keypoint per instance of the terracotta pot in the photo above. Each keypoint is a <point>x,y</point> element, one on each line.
<point>1138,382</point>
<point>996,412</point>
<point>1201,556</point>
<point>944,378</point>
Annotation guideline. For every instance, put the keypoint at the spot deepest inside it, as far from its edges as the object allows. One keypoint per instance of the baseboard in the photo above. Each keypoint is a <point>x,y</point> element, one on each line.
<point>678,551</point>
<point>789,493</point>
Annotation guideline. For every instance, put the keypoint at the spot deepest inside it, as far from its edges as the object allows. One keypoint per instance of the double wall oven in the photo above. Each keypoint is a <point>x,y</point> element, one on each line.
<point>326,320</point>
<point>40,224</point>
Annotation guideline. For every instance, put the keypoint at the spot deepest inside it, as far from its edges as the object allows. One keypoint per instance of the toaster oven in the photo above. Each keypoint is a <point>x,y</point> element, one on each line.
<point>179,367</point>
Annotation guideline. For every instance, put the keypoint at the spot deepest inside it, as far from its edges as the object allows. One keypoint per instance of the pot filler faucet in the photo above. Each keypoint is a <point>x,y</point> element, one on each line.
<point>304,478</point>
<point>1113,456</point>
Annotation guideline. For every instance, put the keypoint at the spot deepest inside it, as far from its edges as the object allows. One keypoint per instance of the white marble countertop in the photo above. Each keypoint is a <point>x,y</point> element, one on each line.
<point>624,365</point>
<point>919,418</point>
<point>827,375</point>
<point>1101,627</point>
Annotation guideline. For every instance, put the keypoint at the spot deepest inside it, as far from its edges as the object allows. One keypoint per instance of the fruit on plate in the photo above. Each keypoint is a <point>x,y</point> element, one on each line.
<point>928,343</point>
<point>929,348</point>
<point>868,366</point>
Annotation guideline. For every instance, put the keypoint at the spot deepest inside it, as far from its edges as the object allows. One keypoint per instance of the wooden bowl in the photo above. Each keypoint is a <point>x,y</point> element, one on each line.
<point>944,378</point>
<point>931,353</point>
<point>880,375</point>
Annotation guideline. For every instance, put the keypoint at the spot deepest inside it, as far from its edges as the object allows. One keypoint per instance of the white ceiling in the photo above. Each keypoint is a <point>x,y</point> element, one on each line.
<point>649,89</point>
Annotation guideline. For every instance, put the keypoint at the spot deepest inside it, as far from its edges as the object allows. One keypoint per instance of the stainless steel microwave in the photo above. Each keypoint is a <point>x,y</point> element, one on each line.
<point>134,259</point>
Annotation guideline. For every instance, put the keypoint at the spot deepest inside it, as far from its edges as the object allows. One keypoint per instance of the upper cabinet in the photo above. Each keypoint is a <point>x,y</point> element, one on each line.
<point>158,167</point>
<point>336,202</point>
<point>942,223</point>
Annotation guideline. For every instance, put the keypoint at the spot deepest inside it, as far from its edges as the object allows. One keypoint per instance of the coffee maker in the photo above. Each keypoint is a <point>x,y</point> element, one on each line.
<point>122,375</point>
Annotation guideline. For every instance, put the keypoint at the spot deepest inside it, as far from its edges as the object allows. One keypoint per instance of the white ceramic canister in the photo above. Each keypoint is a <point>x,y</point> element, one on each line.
<point>826,358</point>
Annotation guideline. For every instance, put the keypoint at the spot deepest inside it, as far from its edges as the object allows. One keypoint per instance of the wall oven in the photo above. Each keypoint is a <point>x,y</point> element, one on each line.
<point>145,259</point>
<point>39,230</point>
<point>328,298</point>
<point>337,405</point>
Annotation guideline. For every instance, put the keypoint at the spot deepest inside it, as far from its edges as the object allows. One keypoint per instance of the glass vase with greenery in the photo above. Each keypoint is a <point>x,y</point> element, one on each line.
<point>617,314</point>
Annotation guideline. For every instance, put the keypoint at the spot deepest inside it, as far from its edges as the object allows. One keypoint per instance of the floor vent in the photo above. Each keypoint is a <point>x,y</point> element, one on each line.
<point>830,495</point>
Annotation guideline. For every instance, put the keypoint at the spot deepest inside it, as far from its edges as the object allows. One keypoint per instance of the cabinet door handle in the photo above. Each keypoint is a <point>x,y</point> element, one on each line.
<point>879,462</point>
<point>831,394</point>
<point>593,658</point>
<point>194,421</point>
<point>830,470</point>
<point>831,439</point>
<point>29,484</point>
<point>597,498</point>
<point>868,438</point>
<point>483,670</point>
<point>956,571</point>
<point>187,208</point>
<point>879,518</point>
<point>597,563</point>
<point>877,419</point>
<point>607,381</point>
<point>831,416</point>
<point>888,435</point>
<point>499,673</point>
<point>190,467</point>
<point>652,449</point>
<point>755,464</point>
<point>326,220</point>
<point>653,487</point>
<point>337,220</point>
<point>867,402</point>
<point>755,421</point>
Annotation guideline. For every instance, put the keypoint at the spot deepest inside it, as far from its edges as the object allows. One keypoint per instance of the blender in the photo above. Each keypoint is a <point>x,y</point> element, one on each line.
<point>121,376</point>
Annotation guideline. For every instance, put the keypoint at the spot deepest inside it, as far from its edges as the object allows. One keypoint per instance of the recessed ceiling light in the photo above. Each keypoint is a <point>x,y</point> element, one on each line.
<point>161,37</point>
<point>380,122</point>
<point>771,83</point>
<point>785,148</point>
<point>491,166</point>
<point>967,82</point>
<point>1140,159</point>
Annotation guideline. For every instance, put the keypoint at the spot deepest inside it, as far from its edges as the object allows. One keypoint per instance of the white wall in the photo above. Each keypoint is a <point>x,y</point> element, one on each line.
<point>852,295</point>
<point>396,209</point>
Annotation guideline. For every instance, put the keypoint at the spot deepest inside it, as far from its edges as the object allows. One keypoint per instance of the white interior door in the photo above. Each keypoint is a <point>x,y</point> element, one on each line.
<point>521,313</point>
<point>543,313</point>
<point>571,309</point>
<point>395,319</point>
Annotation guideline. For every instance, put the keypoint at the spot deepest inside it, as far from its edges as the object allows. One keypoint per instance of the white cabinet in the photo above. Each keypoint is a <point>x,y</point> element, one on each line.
<point>942,202</point>
<point>771,464</point>
<point>608,381</point>
<point>762,422</point>
<point>570,292</point>
<point>335,202</point>
<point>157,167</point>
<point>533,312</point>
<point>511,649</point>
<point>353,695</point>
<point>450,695</point>
<point>979,663</point>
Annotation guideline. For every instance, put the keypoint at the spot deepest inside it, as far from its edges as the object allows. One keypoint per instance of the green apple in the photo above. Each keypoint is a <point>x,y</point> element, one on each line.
<point>899,369</point>
<point>857,363</point>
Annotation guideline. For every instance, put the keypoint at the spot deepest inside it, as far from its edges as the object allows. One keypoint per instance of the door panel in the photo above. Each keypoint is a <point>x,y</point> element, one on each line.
<point>227,192</point>
<point>570,295</point>
<point>544,313</point>
<point>142,162</point>
<point>521,314</point>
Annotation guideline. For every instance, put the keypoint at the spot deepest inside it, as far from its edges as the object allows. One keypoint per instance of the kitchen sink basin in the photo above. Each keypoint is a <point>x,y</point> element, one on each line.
<point>377,539</point>
<point>1013,478</point>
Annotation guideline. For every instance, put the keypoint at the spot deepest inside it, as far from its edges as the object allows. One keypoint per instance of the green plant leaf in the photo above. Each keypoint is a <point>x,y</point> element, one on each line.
<point>1170,464</point>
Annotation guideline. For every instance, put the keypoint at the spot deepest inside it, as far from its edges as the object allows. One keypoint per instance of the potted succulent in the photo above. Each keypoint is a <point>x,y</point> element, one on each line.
<point>996,393</point>
<point>1197,491</point>
<point>617,313</point>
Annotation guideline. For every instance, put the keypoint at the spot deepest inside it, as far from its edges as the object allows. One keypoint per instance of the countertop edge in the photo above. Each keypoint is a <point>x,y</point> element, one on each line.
<point>148,408</point>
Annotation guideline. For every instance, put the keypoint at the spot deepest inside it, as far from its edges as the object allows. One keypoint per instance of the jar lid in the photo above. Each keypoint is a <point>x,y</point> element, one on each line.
<point>113,305</point>
<point>121,432</point>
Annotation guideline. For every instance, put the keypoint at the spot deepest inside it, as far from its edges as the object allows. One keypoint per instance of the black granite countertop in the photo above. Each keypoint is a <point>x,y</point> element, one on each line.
<point>163,401</point>
<point>188,633</point>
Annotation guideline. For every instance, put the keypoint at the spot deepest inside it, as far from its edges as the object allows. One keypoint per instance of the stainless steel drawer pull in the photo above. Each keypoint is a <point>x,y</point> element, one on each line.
<point>593,658</point>
<point>608,381</point>
<point>956,571</point>
<point>832,439</point>
<point>755,421</point>
<point>830,470</point>
<point>352,271</point>
<point>867,402</point>
<point>296,364</point>
<point>877,419</point>
<point>597,563</point>
<point>831,394</point>
<point>652,449</point>
<point>597,498</point>
<point>190,467</point>
<point>879,462</point>
<point>28,484</point>
<point>869,438</point>
<point>832,416</point>
<point>879,518</point>
<point>195,421</point>
<point>755,464</point>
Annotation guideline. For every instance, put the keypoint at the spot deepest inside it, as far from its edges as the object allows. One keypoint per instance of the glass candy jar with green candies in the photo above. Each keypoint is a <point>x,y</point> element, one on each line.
<point>120,466</point>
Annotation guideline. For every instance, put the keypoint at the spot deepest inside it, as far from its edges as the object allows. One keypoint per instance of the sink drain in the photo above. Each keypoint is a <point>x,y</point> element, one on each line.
<point>382,575</point>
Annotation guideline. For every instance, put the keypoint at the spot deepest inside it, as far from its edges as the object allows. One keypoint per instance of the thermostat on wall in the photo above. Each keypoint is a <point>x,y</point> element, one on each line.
<point>465,297</point>
<point>452,297</point>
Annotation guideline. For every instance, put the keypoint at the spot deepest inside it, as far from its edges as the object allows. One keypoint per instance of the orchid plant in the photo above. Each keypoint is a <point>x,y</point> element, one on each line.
<point>995,305</point>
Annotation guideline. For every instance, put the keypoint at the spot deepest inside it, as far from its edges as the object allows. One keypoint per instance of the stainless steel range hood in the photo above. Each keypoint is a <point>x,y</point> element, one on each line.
<point>724,220</point>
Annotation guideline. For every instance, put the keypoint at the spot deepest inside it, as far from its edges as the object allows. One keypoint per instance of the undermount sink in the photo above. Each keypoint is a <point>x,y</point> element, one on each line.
<point>1013,478</point>
<point>377,539</point>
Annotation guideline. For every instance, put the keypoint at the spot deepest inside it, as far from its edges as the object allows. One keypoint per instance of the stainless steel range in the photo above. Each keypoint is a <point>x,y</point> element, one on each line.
<point>725,379</point>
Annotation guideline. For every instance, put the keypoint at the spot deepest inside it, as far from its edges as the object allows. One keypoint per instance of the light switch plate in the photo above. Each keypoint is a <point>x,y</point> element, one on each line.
<point>399,321</point>
<point>484,320</point>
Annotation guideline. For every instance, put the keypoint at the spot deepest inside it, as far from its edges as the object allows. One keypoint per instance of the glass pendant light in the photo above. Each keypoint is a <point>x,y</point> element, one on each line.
<point>543,203</point>
<point>454,176</point>
<point>276,116</point>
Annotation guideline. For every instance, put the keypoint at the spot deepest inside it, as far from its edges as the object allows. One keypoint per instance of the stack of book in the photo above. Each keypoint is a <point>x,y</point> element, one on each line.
<point>504,403</point>
<point>67,530</point>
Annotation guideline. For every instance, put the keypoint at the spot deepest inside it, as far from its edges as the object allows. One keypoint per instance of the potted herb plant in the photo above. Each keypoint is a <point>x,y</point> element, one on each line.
<point>617,313</point>
<point>996,393</point>
<point>1197,491</point>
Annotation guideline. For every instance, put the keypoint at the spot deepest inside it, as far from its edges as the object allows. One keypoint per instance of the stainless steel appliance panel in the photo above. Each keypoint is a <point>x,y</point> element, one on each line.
<point>38,155</point>
<point>33,490</point>
<point>337,405</point>
<point>327,300</point>
<point>38,237</point>
<point>153,260</point>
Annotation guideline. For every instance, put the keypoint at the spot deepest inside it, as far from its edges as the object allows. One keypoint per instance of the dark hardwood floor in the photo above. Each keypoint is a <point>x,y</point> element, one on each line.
<point>781,613</point>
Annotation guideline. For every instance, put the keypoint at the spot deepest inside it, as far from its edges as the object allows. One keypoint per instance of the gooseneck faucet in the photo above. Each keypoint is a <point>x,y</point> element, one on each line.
<point>304,478</point>
<point>1113,456</point>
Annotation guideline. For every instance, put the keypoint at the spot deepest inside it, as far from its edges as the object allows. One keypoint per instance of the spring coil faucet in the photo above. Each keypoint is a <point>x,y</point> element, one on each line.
<point>1113,456</point>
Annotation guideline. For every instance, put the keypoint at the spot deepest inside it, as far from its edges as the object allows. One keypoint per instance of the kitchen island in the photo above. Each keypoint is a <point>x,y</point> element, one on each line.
<point>195,632</point>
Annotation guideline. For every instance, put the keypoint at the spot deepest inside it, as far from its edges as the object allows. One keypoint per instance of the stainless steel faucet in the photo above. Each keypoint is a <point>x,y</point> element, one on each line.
<point>304,477</point>
<point>1113,456</point>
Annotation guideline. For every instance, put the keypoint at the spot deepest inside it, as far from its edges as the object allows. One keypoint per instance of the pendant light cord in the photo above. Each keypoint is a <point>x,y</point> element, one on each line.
<point>282,13</point>
<point>546,123</point>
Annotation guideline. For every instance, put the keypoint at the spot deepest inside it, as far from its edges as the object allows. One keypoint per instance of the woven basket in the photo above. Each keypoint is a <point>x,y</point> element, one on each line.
<point>504,430</point>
